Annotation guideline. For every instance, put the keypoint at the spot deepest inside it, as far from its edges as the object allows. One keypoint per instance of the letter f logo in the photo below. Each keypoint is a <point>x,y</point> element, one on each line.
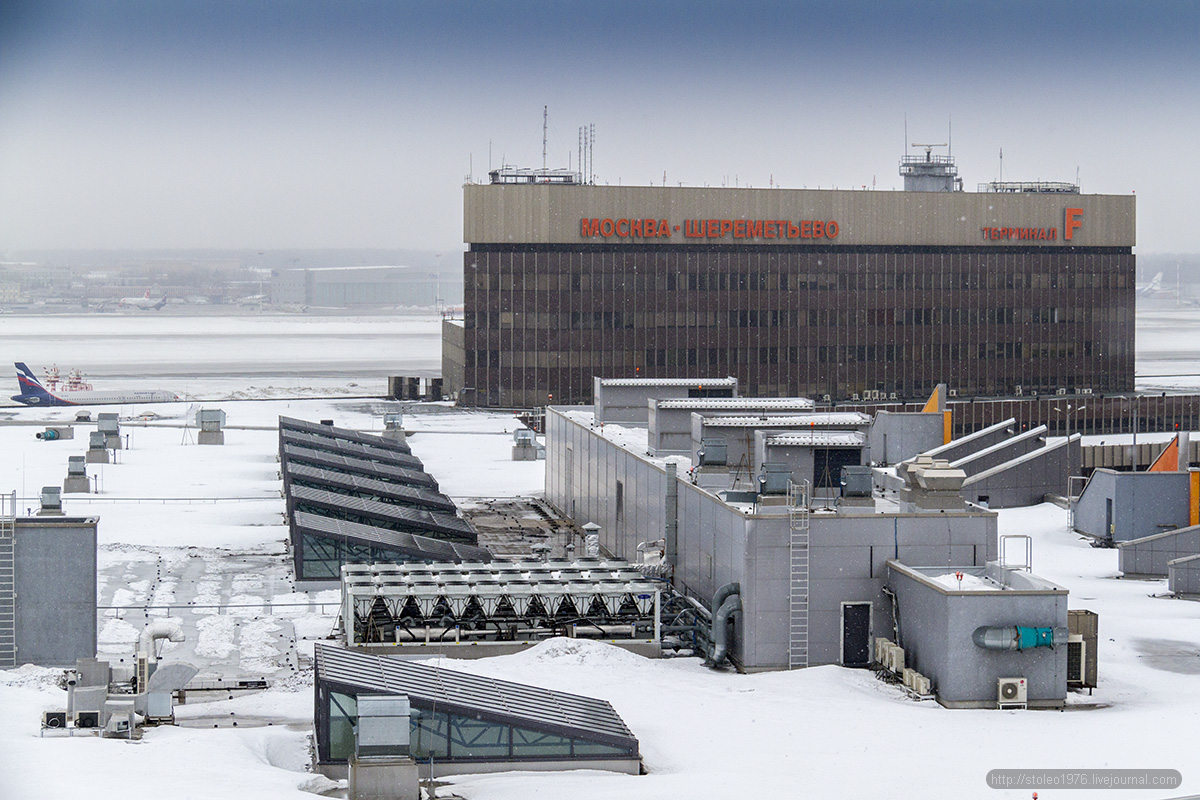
<point>1072,222</point>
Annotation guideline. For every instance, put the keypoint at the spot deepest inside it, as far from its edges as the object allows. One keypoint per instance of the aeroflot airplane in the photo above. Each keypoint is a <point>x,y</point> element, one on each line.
<point>34,394</point>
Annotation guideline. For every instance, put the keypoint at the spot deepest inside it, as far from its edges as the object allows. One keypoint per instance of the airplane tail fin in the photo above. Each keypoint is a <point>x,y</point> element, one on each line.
<point>29,384</point>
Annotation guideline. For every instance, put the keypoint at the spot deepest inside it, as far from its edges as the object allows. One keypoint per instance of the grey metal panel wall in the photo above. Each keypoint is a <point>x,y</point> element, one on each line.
<point>8,633</point>
<point>975,441</point>
<point>1184,576</point>
<point>1000,453</point>
<point>1148,556</point>
<point>55,582</point>
<point>1028,481</point>
<point>898,436</point>
<point>936,633</point>
<point>848,562</point>
<point>1144,503</point>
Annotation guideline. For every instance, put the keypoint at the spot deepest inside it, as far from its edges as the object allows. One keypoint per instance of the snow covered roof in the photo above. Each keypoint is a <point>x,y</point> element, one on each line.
<point>820,438</point>
<point>357,466</point>
<point>710,382</point>
<point>738,403</point>
<point>800,421</point>
<point>352,449</point>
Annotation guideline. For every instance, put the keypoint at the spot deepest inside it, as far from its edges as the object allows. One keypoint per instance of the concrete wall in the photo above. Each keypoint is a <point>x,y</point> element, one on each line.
<point>1147,557</point>
<point>935,631</point>
<point>1183,576</point>
<point>1143,504</point>
<point>501,214</point>
<point>1025,481</point>
<point>454,359</point>
<point>900,435</point>
<point>48,580</point>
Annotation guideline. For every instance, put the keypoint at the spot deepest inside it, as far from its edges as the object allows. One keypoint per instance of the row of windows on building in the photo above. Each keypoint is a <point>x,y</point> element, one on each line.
<point>462,737</point>
<point>866,278</point>
<point>782,317</point>
<point>819,354</point>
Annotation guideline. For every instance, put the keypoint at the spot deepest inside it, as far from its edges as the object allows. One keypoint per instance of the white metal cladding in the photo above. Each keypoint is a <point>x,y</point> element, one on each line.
<point>331,432</point>
<point>515,703</point>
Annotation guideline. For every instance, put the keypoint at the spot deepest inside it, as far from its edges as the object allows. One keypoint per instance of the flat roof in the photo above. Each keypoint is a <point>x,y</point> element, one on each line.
<point>819,438</point>
<point>668,382</point>
<point>736,403</point>
<point>830,420</point>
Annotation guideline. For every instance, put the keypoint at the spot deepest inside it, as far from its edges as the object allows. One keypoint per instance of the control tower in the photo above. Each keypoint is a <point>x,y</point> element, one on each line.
<point>930,173</point>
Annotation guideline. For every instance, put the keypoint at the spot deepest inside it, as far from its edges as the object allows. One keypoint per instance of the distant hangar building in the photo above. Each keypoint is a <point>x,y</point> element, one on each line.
<point>1013,289</point>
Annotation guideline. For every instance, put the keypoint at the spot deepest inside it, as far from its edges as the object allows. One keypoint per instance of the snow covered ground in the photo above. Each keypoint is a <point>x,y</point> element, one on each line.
<point>180,521</point>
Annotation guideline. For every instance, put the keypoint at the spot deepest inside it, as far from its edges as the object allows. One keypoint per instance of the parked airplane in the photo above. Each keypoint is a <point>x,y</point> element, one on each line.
<point>1151,289</point>
<point>145,302</point>
<point>33,393</point>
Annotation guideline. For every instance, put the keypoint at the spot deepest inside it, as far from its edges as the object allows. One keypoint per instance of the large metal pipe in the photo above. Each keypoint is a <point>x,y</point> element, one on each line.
<point>1018,637</point>
<point>170,630</point>
<point>728,604</point>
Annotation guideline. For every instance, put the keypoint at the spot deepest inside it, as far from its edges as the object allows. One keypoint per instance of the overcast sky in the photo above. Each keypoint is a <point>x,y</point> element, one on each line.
<point>354,124</point>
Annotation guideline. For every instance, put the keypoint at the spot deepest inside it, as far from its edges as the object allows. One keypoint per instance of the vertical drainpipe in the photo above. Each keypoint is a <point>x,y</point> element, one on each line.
<point>671,532</point>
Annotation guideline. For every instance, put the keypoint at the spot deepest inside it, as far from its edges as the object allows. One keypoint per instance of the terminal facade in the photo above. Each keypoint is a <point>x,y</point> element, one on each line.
<point>1020,289</point>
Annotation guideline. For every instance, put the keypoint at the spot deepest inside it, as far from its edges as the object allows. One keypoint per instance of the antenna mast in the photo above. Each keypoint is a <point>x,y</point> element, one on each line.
<point>545,121</point>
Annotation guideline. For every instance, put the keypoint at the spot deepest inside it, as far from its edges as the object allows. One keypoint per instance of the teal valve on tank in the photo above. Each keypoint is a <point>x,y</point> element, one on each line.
<point>1018,637</point>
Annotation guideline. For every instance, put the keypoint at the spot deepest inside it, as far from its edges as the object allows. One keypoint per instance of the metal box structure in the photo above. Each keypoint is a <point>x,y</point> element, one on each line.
<point>502,601</point>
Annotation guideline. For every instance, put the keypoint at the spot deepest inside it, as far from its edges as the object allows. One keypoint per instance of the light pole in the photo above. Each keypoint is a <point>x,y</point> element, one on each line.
<point>1067,413</point>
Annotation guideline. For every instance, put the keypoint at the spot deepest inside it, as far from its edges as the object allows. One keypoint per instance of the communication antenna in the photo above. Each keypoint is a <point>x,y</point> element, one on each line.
<point>545,124</point>
<point>592,153</point>
<point>950,135</point>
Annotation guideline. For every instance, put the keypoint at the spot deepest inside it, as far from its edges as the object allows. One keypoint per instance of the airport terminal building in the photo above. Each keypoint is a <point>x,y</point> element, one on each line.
<point>1014,289</point>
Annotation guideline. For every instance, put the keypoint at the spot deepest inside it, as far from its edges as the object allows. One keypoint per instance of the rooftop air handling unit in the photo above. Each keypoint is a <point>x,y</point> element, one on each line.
<point>97,452</point>
<point>51,502</point>
<point>77,478</point>
<point>210,421</point>
<point>108,424</point>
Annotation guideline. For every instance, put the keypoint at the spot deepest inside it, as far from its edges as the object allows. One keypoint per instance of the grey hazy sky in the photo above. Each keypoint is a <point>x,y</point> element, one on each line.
<point>354,124</point>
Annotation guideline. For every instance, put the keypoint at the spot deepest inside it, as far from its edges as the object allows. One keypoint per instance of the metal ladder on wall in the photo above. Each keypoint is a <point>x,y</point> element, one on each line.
<point>799,498</point>
<point>8,525</point>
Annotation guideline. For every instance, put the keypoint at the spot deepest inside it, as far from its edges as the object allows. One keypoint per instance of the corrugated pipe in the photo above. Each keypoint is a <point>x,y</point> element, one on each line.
<point>1018,637</point>
<point>159,629</point>
<point>728,604</point>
